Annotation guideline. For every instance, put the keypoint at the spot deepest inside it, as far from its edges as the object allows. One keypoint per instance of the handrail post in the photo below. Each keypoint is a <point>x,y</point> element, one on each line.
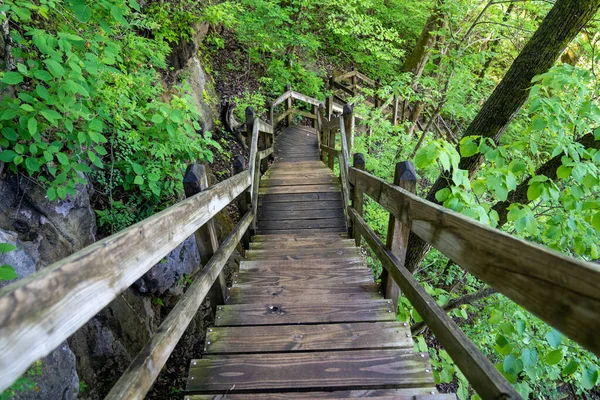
<point>271,112</point>
<point>243,199</point>
<point>349,126</point>
<point>329,107</point>
<point>354,81</point>
<point>320,121</point>
<point>288,105</point>
<point>254,163</point>
<point>377,88</point>
<point>358,162</point>
<point>194,182</point>
<point>331,143</point>
<point>397,236</point>
<point>395,111</point>
<point>315,111</point>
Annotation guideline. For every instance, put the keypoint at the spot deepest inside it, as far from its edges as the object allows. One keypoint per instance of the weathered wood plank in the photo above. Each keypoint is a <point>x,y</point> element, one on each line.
<point>384,394</point>
<point>283,294</point>
<point>358,369</point>
<point>296,237</point>
<point>334,263</point>
<point>265,153</point>
<point>326,188</point>
<point>269,313</point>
<point>345,76</point>
<point>305,205</point>
<point>484,377</point>
<point>313,231</point>
<point>139,377</point>
<point>306,99</point>
<point>292,338</point>
<point>301,254</point>
<point>308,277</point>
<point>314,180</point>
<point>290,224</point>
<point>516,268</point>
<point>265,127</point>
<point>39,312</point>
<point>281,98</point>
<point>274,215</point>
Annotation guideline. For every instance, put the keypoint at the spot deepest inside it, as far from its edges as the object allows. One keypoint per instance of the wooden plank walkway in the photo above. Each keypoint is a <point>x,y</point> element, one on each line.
<point>304,318</point>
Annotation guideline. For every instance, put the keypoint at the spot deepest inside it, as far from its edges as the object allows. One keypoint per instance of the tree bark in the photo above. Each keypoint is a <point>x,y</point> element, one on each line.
<point>559,27</point>
<point>519,195</point>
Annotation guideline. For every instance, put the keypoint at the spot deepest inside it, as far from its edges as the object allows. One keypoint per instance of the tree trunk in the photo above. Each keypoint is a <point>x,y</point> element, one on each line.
<point>519,195</point>
<point>559,27</point>
<point>416,60</point>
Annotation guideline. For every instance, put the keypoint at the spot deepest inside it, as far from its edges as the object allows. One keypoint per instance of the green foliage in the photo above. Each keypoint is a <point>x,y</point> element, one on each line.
<point>25,383</point>
<point>7,272</point>
<point>89,101</point>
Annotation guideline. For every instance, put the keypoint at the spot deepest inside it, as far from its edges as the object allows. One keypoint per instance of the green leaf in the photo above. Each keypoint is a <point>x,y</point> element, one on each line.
<point>7,273</point>
<point>12,78</point>
<point>425,156</point>
<point>563,172</point>
<point>554,338</point>
<point>496,317</point>
<point>134,4</point>
<point>538,123</point>
<point>570,368</point>
<point>138,169</point>
<point>62,158</point>
<point>534,191</point>
<point>138,180</point>
<point>32,164</point>
<point>529,357</point>
<point>554,357</point>
<point>51,194</point>
<point>511,365</point>
<point>117,14</point>
<point>55,68</point>
<point>468,147</point>
<point>32,126</point>
<point>82,11</point>
<point>595,219</point>
<point>157,119</point>
<point>153,177</point>
<point>7,156</point>
<point>7,247</point>
<point>51,115</point>
<point>442,195</point>
<point>590,377</point>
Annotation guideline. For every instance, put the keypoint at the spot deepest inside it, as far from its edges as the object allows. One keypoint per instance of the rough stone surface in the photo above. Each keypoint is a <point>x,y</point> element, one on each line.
<point>54,383</point>
<point>185,50</point>
<point>182,260</point>
<point>53,230</point>
<point>203,93</point>
<point>108,342</point>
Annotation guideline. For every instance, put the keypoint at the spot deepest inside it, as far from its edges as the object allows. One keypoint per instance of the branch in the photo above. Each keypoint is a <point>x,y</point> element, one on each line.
<point>454,304</point>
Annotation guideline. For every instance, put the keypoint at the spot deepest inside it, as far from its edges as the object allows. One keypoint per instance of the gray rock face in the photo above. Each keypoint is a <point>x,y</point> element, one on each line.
<point>183,260</point>
<point>185,50</point>
<point>203,93</point>
<point>43,233</point>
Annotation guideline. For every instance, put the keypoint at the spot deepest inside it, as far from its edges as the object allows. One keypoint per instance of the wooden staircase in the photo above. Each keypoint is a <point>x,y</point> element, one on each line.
<point>305,318</point>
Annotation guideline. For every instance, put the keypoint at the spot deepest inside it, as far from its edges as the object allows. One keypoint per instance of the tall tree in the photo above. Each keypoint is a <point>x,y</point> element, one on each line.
<point>560,26</point>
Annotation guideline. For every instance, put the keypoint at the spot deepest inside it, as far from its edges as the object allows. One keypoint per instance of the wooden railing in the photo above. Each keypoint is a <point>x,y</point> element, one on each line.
<point>562,291</point>
<point>39,312</point>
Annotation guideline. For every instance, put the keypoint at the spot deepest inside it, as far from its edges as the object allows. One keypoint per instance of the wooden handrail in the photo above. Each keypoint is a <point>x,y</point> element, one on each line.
<point>39,312</point>
<point>560,290</point>
<point>139,377</point>
<point>480,372</point>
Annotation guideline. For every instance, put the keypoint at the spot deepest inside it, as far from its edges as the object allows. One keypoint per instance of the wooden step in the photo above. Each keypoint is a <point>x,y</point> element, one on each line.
<point>297,181</point>
<point>359,369</point>
<point>386,394</point>
<point>292,224</point>
<point>294,294</point>
<point>320,243</point>
<point>277,266</point>
<point>325,188</point>
<point>301,254</point>
<point>304,313</point>
<point>307,278</point>
<point>296,237</point>
<point>284,198</point>
<point>314,231</point>
<point>324,205</point>
<point>284,338</point>
<point>266,214</point>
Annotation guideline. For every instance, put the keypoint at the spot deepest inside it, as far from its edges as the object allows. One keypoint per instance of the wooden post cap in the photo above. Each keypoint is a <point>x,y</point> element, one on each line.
<point>194,179</point>
<point>288,87</point>
<point>405,171</point>
<point>348,108</point>
<point>249,114</point>
<point>238,164</point>
<point>358,161</point>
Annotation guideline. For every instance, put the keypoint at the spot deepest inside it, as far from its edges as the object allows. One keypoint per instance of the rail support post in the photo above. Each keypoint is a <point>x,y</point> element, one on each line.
<point>329,107</point>
<point>194,182</point>
<point>288,106</point>
<point>358,162</point>
<point>250,120</point>
<point>349,126</point>
<point>395,111</point>
<point>243,199</point>
<point>397,237</point>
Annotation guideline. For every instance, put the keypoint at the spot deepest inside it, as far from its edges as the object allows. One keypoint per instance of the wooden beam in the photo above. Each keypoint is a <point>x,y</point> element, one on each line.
<point>397,234</point>
<point>484,377</point>
<point>194,182</point>
<point>282,98</point>
<point>265,153</point>
<point>365,78</point>
<point>39,312</point>
<point>264,127</point>
<point>345,76</point>
<point>283,115</point>
<point>243,200</point>
<point>560,290</point>
<point>357,196</point>
<point>306,99</point>
<point>333,123</point>
<point>141,374</point>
